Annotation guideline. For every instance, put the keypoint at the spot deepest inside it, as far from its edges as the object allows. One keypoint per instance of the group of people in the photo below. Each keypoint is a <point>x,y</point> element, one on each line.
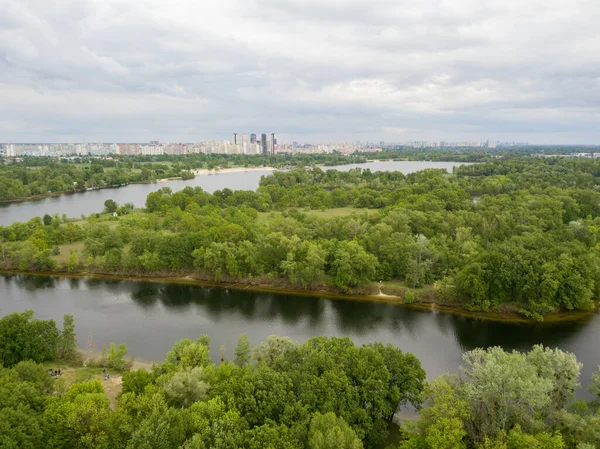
<point>54,373</point>
<point>106,375</point>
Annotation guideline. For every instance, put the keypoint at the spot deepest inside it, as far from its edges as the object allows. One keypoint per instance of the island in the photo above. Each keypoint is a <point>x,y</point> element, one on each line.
<point>510,238</point>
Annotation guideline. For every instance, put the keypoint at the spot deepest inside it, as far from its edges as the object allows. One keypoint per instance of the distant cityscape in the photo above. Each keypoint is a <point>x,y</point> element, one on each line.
<point>239,144</point>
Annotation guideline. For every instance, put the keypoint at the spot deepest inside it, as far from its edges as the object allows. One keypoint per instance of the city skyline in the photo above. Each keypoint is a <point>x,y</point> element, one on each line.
<point>239,144</point>
<point>326,70</point>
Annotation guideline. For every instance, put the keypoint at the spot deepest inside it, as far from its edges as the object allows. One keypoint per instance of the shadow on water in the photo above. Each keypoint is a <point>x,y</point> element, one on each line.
<point>33,283</point>
<point>75,283</point>
<point>475,333</point>
<point>217,303</point>
<point>350,317</point>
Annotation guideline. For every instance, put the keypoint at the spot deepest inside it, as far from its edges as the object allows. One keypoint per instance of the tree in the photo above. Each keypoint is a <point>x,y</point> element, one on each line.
<point>407,377</point>
<point>330,432</point>
<point>273,349</point>
<point>116,356</point>
<point>110,206</point>
<point>80,419</point>
<point>73,261</point>
<point>441,421</point>
<point>24,338</point>
<point>352,266</point>
<point>561,368</point>
<point>47,220</point>
<point>136,381</point>
<point>502,390</point>
<point>186,387</point>
<point>243,351</point>
<point>594,387</point>
<point>20,428</point>
<point>67,343</point>
<point>161,430</point>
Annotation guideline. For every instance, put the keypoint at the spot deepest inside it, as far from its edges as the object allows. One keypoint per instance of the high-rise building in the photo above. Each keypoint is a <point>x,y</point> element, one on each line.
<point>235,139</point>
<point>252,138</point>
<point>273,143</point>
<point>263,142</point>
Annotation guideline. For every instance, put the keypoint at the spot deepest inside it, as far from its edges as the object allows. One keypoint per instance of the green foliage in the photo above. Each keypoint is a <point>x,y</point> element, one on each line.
<point>110,206</point>
<point>67,341</point>
<point>73,262</point>
<point>442,419</point>
<point>352,266</point>
<point>243,351</point>
<point>115,358</point>
<point>595,385</point>
<point>323,393</point>
<point>20,428</point>
<point>23,337</point>
<point>136,381</point>
<point>185,387</point>
<point>330,432</point>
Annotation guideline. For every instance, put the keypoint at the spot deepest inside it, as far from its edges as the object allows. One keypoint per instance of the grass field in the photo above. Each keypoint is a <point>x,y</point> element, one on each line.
<point>65,250</point>
<point>265,217</point>
<point>342,212</point>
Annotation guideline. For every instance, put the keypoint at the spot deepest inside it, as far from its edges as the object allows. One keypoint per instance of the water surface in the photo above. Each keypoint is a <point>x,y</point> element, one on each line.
<point>150,317</point>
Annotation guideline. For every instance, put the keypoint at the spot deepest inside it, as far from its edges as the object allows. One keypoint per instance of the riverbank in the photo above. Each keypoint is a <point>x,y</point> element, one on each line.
<point>199,172</point>
<point>281,288</point>
<point>218,171</point>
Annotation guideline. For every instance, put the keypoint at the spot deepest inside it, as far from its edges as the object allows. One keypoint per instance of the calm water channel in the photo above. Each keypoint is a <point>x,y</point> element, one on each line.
<point>150,317</point>
<point>93,201</point>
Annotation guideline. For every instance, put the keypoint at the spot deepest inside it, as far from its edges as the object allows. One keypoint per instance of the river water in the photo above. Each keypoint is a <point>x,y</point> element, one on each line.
<point>150,317</point>
<point>73,205</point>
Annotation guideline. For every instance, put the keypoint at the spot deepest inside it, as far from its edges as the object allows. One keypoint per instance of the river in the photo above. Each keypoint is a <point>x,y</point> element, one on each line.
<point>75,204</point>
<point>150,317</point>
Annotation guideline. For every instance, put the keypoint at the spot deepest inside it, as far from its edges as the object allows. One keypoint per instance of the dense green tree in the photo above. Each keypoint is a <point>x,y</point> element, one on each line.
<point>352,266</point>
<point>243,351</point>
<point>330,432</point>
<point>67,340</point>
<point>110,206</point>
<point>23,337</point>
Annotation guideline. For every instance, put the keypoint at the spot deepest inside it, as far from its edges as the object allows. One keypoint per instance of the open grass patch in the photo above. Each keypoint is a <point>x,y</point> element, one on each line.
<point>342,212</point>
<point>65,250</point>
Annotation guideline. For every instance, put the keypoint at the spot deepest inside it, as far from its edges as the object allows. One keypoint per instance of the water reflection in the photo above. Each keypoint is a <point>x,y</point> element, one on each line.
<point>359,318</point>
<point>34,283</point>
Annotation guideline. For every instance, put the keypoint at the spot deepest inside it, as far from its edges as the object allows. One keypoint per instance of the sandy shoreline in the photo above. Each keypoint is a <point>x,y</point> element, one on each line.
<point>217,171</point>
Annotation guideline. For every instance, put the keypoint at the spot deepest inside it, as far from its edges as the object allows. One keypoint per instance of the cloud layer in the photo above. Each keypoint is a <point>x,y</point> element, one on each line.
<point>310,70</point>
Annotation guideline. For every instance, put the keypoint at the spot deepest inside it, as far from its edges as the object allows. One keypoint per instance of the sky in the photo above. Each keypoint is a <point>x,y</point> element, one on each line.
<point>308,70</point>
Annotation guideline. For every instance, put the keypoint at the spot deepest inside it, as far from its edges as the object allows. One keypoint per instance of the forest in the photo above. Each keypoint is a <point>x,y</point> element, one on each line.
<point>324,393</point>
<point>514,235</point>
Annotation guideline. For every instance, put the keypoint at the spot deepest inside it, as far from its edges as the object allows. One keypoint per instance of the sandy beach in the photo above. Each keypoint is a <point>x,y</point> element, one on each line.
<point>231,170</point>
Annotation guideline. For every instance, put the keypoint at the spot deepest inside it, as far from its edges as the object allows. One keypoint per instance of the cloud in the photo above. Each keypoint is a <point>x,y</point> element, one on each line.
<point>124,70</point>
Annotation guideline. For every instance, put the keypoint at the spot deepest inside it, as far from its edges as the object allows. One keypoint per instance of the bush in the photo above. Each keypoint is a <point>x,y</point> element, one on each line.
<point>115,358</point>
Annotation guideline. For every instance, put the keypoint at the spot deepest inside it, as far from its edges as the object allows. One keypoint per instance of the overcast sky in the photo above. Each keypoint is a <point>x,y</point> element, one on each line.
<point>309,70</point>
